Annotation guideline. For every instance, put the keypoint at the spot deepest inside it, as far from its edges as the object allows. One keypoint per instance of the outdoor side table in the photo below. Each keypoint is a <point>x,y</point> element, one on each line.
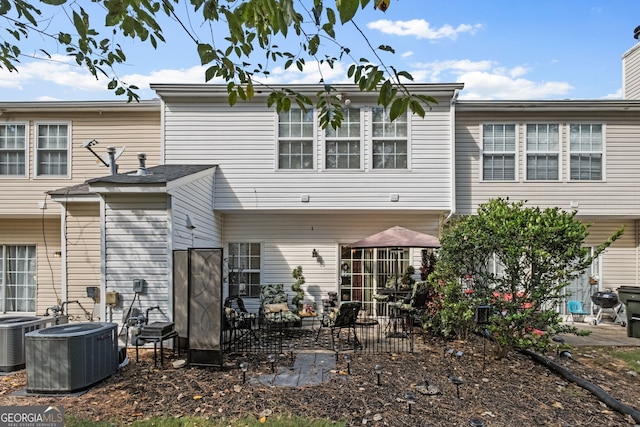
<point>155,339</point>
<point>366,325</point>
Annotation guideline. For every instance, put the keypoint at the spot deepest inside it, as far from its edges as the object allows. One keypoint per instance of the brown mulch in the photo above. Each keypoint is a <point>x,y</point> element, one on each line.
<point>514,391</point>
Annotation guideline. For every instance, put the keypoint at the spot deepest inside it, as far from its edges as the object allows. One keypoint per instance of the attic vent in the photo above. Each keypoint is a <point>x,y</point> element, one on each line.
<point>636,32</point>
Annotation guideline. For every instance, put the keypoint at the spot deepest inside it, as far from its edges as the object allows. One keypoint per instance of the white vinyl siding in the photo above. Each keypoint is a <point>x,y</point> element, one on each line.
<point>499,144</point>
<point>137,246</point>
<point>390,140</point>
<point>543,152</point>
<point>241,141</point>
<point>13,150</point>
<point>586,146</point>
<point>295,139</point>
<point>343,149</point>
<point>53,149</point>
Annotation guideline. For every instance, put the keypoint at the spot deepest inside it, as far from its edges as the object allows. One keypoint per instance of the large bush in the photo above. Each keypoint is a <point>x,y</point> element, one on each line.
<point>517,260</point>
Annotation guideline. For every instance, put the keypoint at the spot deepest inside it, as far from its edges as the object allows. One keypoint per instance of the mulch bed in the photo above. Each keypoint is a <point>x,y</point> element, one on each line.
<point>514,391</point>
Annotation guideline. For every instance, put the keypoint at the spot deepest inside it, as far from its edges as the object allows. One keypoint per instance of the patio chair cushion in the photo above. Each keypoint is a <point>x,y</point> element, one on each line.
<point>276,308</point>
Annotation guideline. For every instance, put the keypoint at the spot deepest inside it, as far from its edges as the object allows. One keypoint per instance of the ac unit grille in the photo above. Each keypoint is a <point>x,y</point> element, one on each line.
<point>12,338</point>
<point>71,357</point>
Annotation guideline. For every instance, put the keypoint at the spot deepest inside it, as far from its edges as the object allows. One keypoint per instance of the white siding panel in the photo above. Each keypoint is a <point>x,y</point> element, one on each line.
<point>619,266</point>
<point>194,200</point>
<point>631,73</point>
<point>242,142</point>
<point>137,247</point>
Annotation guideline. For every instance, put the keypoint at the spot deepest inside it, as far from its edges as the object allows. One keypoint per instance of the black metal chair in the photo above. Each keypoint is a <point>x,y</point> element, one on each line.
<point>237,320</point>
<point>344,317</point>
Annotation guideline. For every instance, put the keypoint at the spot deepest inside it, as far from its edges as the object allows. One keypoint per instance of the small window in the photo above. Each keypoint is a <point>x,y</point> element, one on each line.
<point>342,145</point>
<point>499,152</point>
<point>17,279</point>
<point>543,148</point>
<point>13,150</point>
<point>244,264</point>
<point>390,140</point>
<point>586,146</point>
<point>52,150</point>
<point>295,139</point>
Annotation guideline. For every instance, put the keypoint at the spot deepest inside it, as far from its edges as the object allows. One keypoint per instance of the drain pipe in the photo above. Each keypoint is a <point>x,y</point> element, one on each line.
<point>593,388</point>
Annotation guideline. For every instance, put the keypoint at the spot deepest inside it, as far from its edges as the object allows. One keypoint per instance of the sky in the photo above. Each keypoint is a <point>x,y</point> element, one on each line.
<point>499,49</point>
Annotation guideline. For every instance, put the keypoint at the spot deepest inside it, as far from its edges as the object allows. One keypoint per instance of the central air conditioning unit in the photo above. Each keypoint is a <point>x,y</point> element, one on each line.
<point>70,358</point>
<point>12,332</point>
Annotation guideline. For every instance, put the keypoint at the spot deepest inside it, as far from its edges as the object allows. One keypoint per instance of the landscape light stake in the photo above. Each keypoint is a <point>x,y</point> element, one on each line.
<point>243,367</point>
<point>378,369</point>
<point>347,358</point>
<point>410,397</point>
<point>272,359</point>
<point>292,346</point>
<point>458,382</point>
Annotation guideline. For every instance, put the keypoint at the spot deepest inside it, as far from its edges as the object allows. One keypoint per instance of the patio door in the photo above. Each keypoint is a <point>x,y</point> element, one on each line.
<point>363,272</point>
<point>581,288</point>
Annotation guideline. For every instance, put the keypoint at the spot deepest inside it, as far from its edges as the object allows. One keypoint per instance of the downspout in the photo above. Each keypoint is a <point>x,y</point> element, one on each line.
<point>452,112</point>
<point>63,259</point>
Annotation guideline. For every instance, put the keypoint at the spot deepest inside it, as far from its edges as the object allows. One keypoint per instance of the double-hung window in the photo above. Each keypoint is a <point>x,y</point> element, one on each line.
<point>390,140</point>
<point>295,139</point>
<point>543,152</point>
<point>13,150</point>
<point>52,149</point>
<point>586,148</point>
<point>342,145</point>
<point>17,278</point>
<point>244,265</point>
<point>499,152</point>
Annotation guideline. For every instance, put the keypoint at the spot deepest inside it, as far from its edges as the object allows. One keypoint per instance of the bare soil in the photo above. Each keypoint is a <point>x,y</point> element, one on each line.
<point>514,391</point>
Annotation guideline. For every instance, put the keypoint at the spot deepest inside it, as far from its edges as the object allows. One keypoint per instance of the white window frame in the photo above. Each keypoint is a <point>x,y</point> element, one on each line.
<point>239,273</point>
<point>25,150</point>
<point>293,139</point>
<point>340,136</point>
<point>389,137</point>
<point>485,153</point>
<point>543,152</point>
<point>601,152</point>
<point>36,157</point>
<point>29,275</point>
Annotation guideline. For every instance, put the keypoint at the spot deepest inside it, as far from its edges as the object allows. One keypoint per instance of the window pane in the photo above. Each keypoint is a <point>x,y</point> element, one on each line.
<point>586,146</point>
<point>52,146</point>
<point>19,271</point>
<point>12,150</point>
<point>499,146</point>
<point>295,134</point>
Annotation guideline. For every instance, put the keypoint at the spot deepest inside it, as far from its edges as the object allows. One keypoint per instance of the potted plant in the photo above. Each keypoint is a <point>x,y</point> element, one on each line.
<point>297,288</point>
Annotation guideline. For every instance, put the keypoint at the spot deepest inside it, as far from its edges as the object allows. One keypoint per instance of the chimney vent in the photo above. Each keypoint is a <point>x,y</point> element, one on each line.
<point>142,168</point>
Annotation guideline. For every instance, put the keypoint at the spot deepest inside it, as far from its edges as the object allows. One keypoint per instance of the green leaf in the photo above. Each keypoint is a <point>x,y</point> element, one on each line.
<point>347,9</point>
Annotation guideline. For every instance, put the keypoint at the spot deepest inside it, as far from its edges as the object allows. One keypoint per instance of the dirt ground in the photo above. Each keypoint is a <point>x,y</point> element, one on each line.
<point>515,391</point>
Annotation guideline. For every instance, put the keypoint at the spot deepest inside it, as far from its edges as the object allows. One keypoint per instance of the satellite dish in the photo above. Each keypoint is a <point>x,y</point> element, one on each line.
<point>106,160</point>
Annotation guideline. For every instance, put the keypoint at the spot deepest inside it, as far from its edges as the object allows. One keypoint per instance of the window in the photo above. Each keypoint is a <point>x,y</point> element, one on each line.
<point>499,152</point>
<point>543,145</point>
<point>343,144</point>
<point>52,150</point>
<point>244,266</point>
<point>390,140</point>
<point>586,147</point>
<point>18,278</point>
<point>13,146</point>
<point>295,139</point>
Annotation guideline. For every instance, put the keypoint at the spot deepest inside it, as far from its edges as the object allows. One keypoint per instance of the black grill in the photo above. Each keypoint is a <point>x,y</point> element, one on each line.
<point>605,299</point>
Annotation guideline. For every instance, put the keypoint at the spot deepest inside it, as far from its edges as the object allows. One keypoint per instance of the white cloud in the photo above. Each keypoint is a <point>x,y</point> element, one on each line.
<point>421,29</point>
<point>485,80</point>
<point>487,86</point>
<point>407,54</point>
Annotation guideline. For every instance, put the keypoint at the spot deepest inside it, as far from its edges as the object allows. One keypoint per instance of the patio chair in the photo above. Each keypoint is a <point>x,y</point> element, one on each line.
<point>344,316</point>
<point>575,309</point>
<point>274,309</point>
<point>237,320</point>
